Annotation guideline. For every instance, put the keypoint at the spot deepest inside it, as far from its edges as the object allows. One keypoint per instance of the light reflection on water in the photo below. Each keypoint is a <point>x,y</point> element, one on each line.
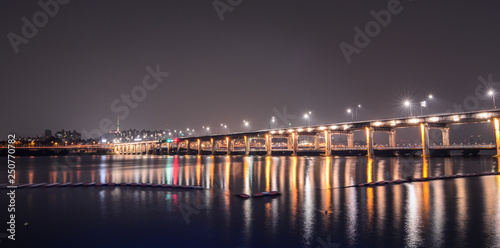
<point>441,213</point>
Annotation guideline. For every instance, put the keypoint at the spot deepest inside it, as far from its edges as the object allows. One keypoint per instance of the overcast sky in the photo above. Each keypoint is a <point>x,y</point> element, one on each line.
<point>244,64</point>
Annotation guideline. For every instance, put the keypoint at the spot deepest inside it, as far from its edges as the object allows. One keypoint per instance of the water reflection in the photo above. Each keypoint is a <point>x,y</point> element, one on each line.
<point>455,212</point>
<point>412,218</point>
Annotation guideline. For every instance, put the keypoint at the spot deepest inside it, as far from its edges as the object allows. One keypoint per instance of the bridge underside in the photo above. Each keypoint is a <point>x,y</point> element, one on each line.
<point>311,152</point>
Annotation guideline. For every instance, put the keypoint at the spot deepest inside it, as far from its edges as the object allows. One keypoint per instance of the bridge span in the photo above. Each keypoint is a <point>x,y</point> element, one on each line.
<point>319,138</point>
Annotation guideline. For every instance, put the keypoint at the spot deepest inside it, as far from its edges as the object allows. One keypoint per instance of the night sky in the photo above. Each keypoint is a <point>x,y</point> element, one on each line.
<point>263,56</point>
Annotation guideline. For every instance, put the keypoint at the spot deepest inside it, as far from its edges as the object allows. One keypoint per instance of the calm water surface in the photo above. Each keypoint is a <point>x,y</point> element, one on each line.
<point>314,209</point>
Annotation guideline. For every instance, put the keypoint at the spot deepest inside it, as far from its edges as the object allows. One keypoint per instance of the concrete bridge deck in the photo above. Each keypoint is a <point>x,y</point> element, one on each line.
<point>286,140</point>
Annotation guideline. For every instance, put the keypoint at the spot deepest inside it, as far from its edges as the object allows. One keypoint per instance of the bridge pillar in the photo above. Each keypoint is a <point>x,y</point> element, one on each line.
<point>392,138</point>
<point>424,131</point>
<point>497,136</point>
<point>328,143</point>
<point>188,147</point>
<point>212,146</point>
<point>445,132</point>
<point>200,151</point>
<point>295,138</point>
<point>228,142</point>
<point>247,146</point>
<point>269,144</point>
<point>289,142</point>
<point>369,141</point>
<point>350,140</point>
<point>316,142</point>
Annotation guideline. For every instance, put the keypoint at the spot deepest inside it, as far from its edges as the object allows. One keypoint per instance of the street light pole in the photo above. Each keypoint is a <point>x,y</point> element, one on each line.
<point>352,114</point>
<point>492,94</point>
<point>247,125</point>
<point>408,104</point>
<point>359,106</point>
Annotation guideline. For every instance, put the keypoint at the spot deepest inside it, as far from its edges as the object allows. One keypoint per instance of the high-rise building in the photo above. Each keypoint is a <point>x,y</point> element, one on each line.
<point>47,134</point>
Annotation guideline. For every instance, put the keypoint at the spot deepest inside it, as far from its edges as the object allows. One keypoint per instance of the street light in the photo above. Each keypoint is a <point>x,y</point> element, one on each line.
<point>247,125</point>
<point>349,111</point>
<point>408,105</point>
<point>306,116</point>
<point>424,104</point>
<point>492,94</point>
<point>272,121</point>
<point>357,107</point>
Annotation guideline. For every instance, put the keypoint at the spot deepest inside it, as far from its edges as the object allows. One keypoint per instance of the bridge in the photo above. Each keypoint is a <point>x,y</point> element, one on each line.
<point>317,139</point>
<point>58,150</point>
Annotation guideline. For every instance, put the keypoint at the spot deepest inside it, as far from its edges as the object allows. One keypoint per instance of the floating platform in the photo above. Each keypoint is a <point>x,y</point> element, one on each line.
<point>270,193</point>
<point>95,184</point>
